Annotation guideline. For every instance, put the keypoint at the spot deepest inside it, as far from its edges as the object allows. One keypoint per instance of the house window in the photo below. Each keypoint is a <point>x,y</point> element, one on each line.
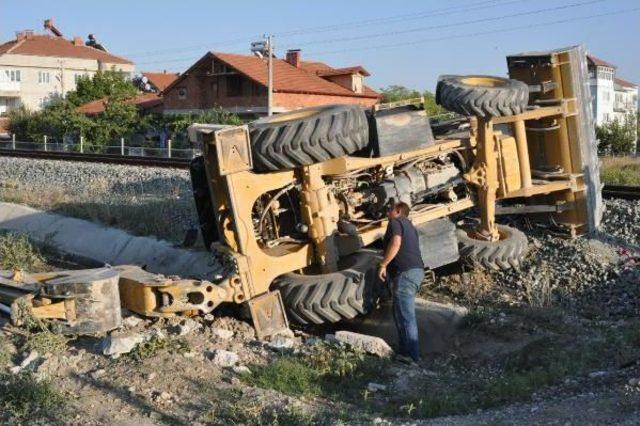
<point>13,75</point>
<point>258,90</point>
<point>44,77</point>
<point>234,86</point>
<point>182,93</point>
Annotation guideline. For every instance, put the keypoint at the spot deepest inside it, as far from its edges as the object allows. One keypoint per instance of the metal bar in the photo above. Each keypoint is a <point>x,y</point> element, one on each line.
<point>5,309</point>
<point>13,141</point>
<point>121,146</point>
<point>523,153</point>
<point>169,148</point>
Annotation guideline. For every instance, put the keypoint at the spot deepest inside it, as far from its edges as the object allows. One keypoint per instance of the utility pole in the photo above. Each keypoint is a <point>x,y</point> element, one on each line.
<point>261,49</point>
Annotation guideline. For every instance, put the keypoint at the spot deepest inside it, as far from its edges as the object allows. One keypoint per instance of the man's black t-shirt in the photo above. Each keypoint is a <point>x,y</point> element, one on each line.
<point>408,256</point>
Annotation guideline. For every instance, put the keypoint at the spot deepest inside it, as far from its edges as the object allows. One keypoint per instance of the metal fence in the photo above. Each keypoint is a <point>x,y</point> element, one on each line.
<point>122,148</point>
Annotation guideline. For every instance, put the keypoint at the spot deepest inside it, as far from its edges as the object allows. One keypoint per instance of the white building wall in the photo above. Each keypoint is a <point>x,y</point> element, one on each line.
<point>34,90</point>
<point>603,93</point>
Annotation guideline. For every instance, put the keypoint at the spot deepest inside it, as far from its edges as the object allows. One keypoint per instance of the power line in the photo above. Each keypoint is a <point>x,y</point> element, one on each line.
<point>480,33</point>
<point>442,26</point>
<point>349,25</point>
<point>399,18</point>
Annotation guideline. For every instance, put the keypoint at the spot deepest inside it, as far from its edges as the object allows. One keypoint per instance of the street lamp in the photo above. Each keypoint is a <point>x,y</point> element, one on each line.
<point>261,49</point>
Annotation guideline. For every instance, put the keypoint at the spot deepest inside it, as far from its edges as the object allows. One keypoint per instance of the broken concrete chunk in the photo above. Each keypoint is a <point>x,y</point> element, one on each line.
<point>376,387</point>
<point>224,358</point>
<point>241,369</point>
<point>33,355</point>
<point>222,333</point>
<point>187,326</point>
<point>115,346</point>
<point>280,342</point>
<point>369,344</point>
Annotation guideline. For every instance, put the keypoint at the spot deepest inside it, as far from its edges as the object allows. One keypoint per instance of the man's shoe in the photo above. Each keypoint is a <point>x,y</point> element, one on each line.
<point>406,360</point>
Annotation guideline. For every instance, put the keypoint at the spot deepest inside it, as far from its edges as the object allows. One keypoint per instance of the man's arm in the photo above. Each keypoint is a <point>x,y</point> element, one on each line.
<point>390,252</point>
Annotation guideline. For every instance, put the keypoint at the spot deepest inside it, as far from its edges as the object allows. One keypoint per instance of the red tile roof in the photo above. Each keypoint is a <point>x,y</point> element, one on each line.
<point>287,78</point>
<point>624,83</point>
<point>343,71</point>
<point>45,45</point>
<point>143,100</point>
<point>599,62</point>
<point>161,79</point>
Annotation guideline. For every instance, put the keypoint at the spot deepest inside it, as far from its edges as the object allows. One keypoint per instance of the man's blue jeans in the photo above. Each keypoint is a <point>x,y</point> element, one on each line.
<point>404,286</point>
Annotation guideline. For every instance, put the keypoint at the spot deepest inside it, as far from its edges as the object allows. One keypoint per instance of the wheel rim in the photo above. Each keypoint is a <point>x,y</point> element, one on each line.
<point>483,82</point>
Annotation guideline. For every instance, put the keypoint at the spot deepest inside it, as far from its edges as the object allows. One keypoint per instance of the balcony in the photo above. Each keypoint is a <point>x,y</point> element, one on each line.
<point>10,89</point>
<point>623,106</point>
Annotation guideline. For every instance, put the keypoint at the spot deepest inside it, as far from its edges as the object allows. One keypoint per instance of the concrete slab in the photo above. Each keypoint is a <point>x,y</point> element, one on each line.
<point>437,324</point>
<point>106,245</point>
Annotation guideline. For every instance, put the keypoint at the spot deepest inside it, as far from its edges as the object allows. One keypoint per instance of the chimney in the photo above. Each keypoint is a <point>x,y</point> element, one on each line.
<point>78,41</point>
<point>293,57</point>
<point>48,25</point>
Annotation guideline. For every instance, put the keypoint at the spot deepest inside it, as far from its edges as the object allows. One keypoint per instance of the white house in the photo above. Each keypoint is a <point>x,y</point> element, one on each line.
<point>35,68</point>
<point>612,97</point>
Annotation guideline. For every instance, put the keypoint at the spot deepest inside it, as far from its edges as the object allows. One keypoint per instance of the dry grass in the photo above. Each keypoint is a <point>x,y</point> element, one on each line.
<point>135,212</point>
<point>621,170</point>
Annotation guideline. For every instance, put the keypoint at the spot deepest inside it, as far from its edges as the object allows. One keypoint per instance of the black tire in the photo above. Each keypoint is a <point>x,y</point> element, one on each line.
<point>482,96</point>
<point>507,253</point>
<point>307,136</point>
<point>333,297</point>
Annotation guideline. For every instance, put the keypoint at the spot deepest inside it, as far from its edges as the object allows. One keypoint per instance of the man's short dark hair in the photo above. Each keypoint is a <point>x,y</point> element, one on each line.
<point>403,208</point>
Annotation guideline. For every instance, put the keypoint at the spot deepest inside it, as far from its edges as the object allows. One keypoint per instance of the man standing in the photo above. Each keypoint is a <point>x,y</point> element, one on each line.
<point>402,265</point>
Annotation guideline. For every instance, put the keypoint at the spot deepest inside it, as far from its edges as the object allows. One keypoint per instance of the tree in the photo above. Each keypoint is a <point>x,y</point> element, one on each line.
<point>617,137</point>
<point>396,93</point>
<point>103,84</point>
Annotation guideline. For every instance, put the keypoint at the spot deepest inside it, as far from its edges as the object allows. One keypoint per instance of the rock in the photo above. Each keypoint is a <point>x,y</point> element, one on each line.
<point>33,356</point>
<point>376,387</point>
<point>634,381</point>
<point>96,374</point>
<point>209,318</point>
<point>241,369</point>
<point>595,374</point>
<point>222,333</point>
<point>115,346</point>
<point>287,332</point>
<point>224,358</point>
<point>280,343</point>
<point>131,321</point>
<point>160,396</point>
<point>369,344</point>
<point>151,376</point>
<point>187,326</point>
<point>312,341</point>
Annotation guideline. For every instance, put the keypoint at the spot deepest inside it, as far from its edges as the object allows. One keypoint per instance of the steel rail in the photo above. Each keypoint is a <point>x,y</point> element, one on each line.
<point>621,191</point>
<point>176,163</point>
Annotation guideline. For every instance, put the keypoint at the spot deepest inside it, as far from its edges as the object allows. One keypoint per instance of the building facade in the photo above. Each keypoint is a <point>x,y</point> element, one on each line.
<point>238,84</point>
<point>37,68</point>
<point>612,97</point>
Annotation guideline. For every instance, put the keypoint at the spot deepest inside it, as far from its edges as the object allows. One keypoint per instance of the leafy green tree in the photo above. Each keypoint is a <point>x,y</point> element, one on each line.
<point>617,137</point>
<point>396,93</point>
<point>103,84</point>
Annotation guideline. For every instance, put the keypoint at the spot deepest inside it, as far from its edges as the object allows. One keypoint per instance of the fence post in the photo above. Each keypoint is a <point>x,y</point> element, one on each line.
<point>81,144</point>
<point>169,148</point>
<point>122,146</point>
<point>45,142</point>
<point>13,141</point>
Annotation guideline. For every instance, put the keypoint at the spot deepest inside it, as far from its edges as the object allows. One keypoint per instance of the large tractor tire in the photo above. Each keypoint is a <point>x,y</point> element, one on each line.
<point>506,253</point>
<point>307,136</point>
<point>336,296</point>
<point>482,96</point>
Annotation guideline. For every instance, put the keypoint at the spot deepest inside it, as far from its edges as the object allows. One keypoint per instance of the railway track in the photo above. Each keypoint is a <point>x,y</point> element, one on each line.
<point>176,163</point>
<point>621,191</point>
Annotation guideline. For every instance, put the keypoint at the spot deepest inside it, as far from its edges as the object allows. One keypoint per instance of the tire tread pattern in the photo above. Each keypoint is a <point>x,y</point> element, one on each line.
<point>499,255</point>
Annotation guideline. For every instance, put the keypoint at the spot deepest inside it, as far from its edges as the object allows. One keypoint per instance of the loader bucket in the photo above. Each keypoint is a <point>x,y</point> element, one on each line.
<point>566,144</point>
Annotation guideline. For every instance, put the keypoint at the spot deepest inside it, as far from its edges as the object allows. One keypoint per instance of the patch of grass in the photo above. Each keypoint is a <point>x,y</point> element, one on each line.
<point>17,252</point>
<point>5,356</point>
<point>155,345</point>
<point>327,371</point>
<point>24,398</point>
<point>232,407</point>
<point>621,171</point>
<point>45,342</point>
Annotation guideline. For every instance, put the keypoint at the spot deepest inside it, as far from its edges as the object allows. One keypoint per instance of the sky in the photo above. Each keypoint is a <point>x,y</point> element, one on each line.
<point>405,42</point>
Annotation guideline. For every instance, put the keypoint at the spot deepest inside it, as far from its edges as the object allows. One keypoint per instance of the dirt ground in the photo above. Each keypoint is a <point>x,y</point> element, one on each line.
<point>506,362</point>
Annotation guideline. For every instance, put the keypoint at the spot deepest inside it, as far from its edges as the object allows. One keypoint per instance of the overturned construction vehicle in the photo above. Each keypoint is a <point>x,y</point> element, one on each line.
<point>294,204</point>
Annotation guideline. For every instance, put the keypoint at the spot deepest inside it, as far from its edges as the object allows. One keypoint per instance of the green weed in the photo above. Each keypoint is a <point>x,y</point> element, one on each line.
<point>17,252</point>
<point>24,398</point>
